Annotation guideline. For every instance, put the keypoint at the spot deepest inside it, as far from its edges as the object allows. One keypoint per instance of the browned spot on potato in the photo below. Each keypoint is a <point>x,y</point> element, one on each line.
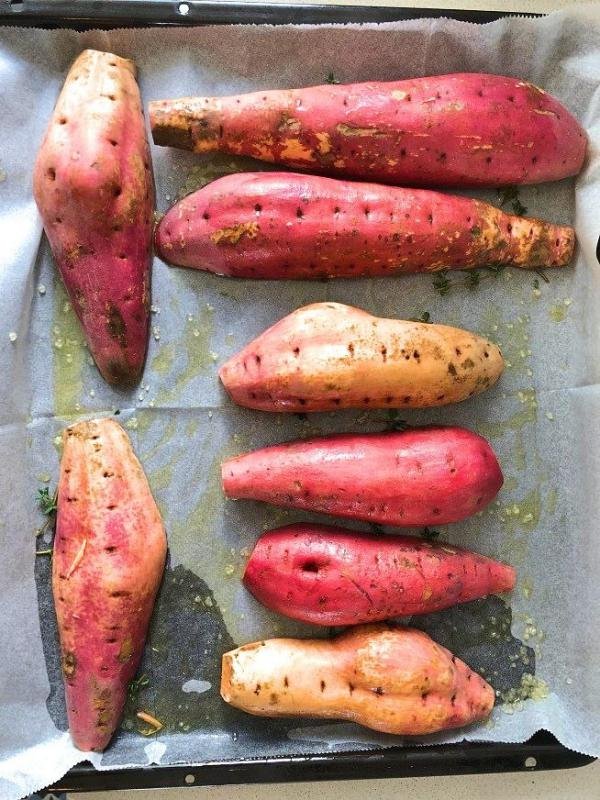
<point>233,234</point>
<point>126,650</point>
<point>452,369</point>
<point>69,663</point>
<point>115,324</point>
<point>353,130</point>
<point>323,686</point>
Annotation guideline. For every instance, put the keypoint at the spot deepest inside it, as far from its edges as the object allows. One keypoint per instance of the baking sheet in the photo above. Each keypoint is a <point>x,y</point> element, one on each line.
<point>542,417</point>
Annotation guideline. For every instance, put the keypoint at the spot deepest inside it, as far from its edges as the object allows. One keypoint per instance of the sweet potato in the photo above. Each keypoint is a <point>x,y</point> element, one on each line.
<point>94,189</point>
<point>109,555</point>
<point>331,576</point>
<point>395,680</point>
<point>423,476</point>
<point>328,355</point>
<point>446,130</point>
<point>284,225</point>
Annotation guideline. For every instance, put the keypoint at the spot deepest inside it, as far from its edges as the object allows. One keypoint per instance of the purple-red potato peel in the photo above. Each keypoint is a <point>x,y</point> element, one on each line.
<point>109,555</point>
<point>94,190</point>
<point>464,129</point>
<point>328,356</point>
<point>279,225</point>
<point>394,680</point>
<point>332,576</point>
<point>423,476</point>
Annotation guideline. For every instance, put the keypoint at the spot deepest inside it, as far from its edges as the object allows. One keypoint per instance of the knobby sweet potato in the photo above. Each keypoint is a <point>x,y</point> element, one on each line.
<point>94,189</point>
<point>395,680</point>
<point>109,555</point>
<point>328,355</point>
<point>447,130</point>
<point>284,225</point>
<point>331,576</point>
<point>423,476</point>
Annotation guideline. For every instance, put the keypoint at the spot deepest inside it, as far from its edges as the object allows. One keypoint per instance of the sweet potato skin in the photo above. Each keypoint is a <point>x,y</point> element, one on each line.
<point>394,680</point>
<point>291,226</point>
<point>108,560</point>
<point>331,576</point>
<point>328,355</point>
<point>464,129</point>
<point>423,476</point>
<point>94,189</point>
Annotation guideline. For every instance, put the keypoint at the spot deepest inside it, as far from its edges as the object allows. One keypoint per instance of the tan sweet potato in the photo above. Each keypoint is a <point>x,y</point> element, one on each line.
<point>395,680</point>
<point>328,355</point>
<point>109,555</point>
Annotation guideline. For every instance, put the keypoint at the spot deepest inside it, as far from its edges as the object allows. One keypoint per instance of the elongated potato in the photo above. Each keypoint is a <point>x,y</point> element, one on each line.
<point>395,680</point>
<point>94,189</point>
<point>109,555</point>
<point>333,576</point>
<point>423,476</point>
<point>465,129</point>
<point>328,355</point>
<point>278,225</point>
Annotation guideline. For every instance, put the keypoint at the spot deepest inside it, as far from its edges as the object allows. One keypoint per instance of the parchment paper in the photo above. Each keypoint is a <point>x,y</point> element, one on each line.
<point>543,417</point>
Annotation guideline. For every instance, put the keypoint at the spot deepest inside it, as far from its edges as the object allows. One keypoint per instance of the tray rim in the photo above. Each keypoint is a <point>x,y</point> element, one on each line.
<point>542,751</point>
<point>86,14</point>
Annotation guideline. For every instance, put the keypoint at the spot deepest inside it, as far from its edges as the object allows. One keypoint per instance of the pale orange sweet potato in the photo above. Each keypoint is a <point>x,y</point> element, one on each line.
<point>328,355</point>
<point>395,680</point>
<point>109,555</point>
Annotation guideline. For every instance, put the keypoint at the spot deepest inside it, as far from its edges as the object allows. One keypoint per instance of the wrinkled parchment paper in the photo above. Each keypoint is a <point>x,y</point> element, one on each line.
<point>539,648</point>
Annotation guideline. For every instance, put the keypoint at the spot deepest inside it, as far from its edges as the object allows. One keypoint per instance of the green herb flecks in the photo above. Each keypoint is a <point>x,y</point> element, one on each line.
<point>136,686</point>
<point>510,194</point>
<point>542,275</point>
<point>395,423</point>
<point>47,502</point>
<point>473,279</point>
<point>331,78</point>
<point>443,284</point>
<point>430,535</point>
<point>425,317</point>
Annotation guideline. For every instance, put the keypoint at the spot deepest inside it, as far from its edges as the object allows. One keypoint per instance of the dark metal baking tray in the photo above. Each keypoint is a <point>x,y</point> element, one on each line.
<point>542,751</point>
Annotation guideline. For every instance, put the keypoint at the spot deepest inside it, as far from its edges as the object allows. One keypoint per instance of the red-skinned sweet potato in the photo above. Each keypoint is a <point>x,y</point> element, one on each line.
<point>395,680</point>
<point>94,189</point>
<point>282,225</point>
<point>331,576</point>
<point>109,555</point>
<point>423,476</point>
<point>328,356</point>
<point>447,130</point>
